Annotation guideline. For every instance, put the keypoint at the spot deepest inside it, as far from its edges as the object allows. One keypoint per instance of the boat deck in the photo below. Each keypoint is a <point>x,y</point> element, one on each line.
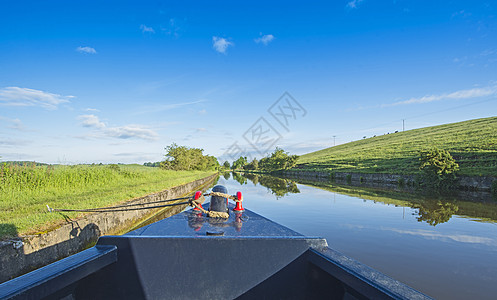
<point>190,223</point>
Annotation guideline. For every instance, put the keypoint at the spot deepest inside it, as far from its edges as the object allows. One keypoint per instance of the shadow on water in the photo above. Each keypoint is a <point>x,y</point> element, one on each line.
<point>279,187</point>
<point>430,208</point>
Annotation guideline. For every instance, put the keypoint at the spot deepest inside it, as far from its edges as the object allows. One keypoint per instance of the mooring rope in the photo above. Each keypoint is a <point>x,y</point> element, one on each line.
<point>113,210</point>
<point>129,207</point>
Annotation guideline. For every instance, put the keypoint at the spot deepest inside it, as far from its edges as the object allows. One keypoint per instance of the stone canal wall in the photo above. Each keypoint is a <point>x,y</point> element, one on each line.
<point>476,183</point>
<point>27,253</point>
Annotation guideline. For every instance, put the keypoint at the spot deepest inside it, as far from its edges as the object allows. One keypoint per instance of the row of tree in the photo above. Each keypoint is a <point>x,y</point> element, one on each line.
<point>189,159</point>
<point>278,160</point>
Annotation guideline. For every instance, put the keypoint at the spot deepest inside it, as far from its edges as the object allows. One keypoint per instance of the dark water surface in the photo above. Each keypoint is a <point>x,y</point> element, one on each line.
<point>444,247</point>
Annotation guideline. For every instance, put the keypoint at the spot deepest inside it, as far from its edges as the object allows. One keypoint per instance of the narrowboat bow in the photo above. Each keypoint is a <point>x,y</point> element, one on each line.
<point>193,256</point>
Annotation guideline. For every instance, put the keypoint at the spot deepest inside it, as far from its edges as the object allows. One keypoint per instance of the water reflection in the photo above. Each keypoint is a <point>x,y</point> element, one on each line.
<point>226,175</point>
<point>433,210</point>
<point>279,187</point>
<point>443,246</point>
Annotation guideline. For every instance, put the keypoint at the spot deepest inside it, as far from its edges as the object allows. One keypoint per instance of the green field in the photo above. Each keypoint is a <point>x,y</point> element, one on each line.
<point>473,144</point>
<point>26,190</point>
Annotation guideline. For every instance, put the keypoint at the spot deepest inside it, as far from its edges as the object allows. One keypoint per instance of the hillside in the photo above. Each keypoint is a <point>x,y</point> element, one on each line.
<point>473,144</point>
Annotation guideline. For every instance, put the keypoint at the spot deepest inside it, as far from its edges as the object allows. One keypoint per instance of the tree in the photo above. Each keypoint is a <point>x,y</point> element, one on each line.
<point>253,165</point>
<point>439,167</point>
<point>239,163</point>
<point>184,158</point>
<point>278,160</point>
<point>226,165</point>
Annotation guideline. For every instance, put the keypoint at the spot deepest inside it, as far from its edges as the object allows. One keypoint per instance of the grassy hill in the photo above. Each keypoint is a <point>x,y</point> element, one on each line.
<point>473,144</point>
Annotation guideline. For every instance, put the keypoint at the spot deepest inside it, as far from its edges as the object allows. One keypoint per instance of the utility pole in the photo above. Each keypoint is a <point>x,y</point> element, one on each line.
<point>334,140</point>
<point>403,127</point>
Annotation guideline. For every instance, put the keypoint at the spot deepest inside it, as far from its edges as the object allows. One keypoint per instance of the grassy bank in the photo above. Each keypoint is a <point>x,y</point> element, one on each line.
<point>26,190</point>
<point>473,144</point>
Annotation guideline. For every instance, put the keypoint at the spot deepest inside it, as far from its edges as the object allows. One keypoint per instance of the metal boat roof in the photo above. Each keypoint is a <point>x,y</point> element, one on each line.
<point>190,223</point>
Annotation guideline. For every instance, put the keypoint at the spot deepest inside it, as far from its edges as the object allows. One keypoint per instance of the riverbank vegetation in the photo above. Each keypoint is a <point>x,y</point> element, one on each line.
<point>472,144</point>
<point>26,189</point>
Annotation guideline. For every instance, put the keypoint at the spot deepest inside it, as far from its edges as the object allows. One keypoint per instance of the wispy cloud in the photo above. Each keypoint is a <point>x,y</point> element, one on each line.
<point>353,4</point>
<point>15,124</point>
<point>7,142</point>
<point>264,39</point>
<point>461,94</point>
<point>173,27</point>
<point>92,109</point>
<point>120,132</point>
<point>165,107</point>
<point>16,96</point>
<point>146,29</point>
<point>86,50</point>
<point>221,44</point>
<point>461,13</point>
<point>202,112</point>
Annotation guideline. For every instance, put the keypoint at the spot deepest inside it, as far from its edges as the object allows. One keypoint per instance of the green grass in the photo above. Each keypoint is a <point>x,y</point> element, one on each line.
<point>473,144</point>
<point>26,190</point>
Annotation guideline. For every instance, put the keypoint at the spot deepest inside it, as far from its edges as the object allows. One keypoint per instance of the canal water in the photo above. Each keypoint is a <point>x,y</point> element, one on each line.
<point>445,247</point>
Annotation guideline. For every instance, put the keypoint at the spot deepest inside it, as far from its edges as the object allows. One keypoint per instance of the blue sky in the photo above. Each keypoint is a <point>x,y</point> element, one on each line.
<point>117,81</point>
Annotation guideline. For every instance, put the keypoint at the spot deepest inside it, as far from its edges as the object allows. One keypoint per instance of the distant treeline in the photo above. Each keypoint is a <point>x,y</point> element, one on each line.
<point>24,163</point>
<point>278,160</point>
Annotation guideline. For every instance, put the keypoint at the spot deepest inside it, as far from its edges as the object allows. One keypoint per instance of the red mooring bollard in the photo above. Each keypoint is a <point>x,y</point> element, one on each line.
<point>238,206</point>
<point>198,194</point>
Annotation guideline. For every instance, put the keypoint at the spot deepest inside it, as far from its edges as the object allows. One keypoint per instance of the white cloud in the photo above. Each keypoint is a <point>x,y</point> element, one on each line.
<point>461,94</point>
<point>92,109</point>
<point>131,131</point>
<point>86,50</point>
<point>201,129</point>
<point>16,96</point>
<point>91,121</point>
<point>145,29</point>
<point>220,44</point>
<point>120,132</point>
<point>265,39</point>
<point>353,4</point>
<point>202,112</point>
